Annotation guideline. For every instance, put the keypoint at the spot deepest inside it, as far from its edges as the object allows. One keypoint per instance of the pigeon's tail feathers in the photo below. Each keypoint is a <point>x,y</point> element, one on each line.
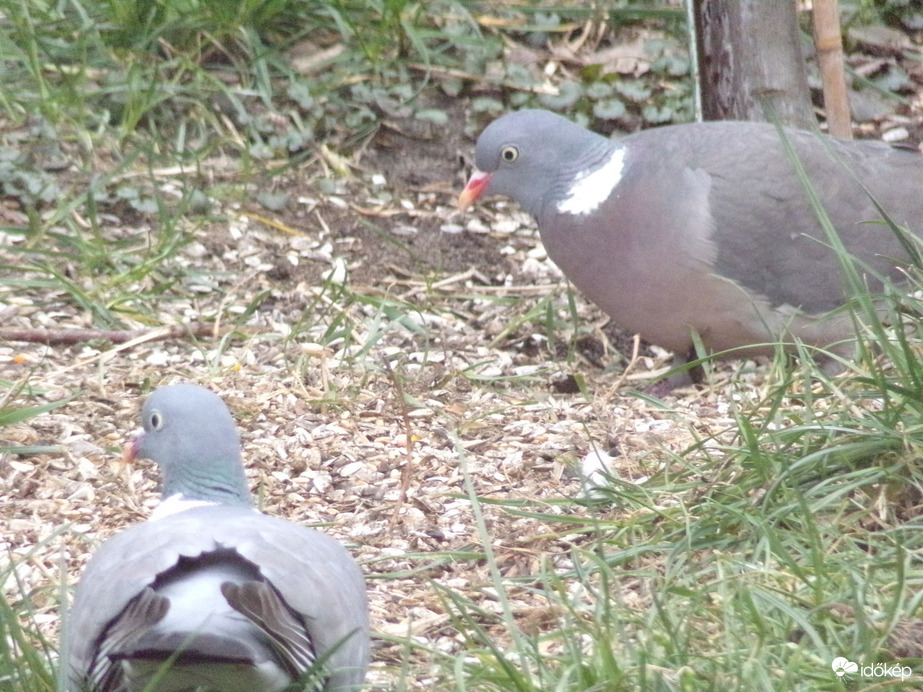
<point>187,648</point>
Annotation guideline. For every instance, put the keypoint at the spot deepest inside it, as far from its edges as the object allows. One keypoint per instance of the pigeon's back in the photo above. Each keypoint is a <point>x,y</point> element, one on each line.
<point>238,600</point>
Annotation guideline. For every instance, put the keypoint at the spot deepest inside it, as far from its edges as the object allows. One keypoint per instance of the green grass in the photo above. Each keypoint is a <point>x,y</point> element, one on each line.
<point>747,564</point>
<point>27,657</point>
<point>14,408</point>
<point>129,99</point>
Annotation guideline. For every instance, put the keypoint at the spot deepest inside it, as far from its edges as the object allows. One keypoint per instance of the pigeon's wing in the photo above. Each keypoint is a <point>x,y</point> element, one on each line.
<point>112,590</point>
<point>315,577</point>
<point>767,234</point>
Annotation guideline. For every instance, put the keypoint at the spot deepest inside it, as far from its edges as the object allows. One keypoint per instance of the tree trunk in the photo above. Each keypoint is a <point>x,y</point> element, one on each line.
<point>750,62</point>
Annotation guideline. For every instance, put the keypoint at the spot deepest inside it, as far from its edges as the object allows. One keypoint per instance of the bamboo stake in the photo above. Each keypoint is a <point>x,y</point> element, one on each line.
<point>829,43</point>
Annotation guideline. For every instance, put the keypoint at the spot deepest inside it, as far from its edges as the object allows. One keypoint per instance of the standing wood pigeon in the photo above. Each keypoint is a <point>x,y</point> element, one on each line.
<point>210,592</point>
<point>705,228</point>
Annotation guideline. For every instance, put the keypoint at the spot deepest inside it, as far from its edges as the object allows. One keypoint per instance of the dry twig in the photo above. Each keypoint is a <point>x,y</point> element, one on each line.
<point>69,337</point>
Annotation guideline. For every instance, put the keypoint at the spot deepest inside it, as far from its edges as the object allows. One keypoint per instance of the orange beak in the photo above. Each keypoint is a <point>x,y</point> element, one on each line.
<point>476,186</point>
<point>130,450</point>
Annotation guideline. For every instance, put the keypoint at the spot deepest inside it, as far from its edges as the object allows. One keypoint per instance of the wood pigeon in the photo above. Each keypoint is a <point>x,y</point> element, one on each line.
<point>211,594</point>
<point>705,228</point>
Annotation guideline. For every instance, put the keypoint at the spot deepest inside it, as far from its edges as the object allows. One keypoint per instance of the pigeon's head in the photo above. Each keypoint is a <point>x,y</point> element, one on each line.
<point>190,434</point>
<point>525,154</point>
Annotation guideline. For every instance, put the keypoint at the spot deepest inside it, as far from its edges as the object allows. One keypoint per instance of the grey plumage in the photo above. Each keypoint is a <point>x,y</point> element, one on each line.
<point>242,600</point>
<point>705,227</point>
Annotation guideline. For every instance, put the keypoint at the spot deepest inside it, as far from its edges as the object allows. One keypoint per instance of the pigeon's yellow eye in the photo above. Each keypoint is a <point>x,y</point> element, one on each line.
<point>156,420</point>
<point>509,154</point>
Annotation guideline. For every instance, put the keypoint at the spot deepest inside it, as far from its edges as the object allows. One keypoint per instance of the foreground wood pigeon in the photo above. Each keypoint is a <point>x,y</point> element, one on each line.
<point>705,227</point>
<point>219,595</point>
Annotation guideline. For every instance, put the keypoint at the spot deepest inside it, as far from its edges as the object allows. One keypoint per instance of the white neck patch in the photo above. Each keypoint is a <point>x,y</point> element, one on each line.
<point>593,186</point>
<point>176,504</point>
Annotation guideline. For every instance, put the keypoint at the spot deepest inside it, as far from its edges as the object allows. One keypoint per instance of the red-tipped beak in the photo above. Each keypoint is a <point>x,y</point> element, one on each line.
<point>477,183</point>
